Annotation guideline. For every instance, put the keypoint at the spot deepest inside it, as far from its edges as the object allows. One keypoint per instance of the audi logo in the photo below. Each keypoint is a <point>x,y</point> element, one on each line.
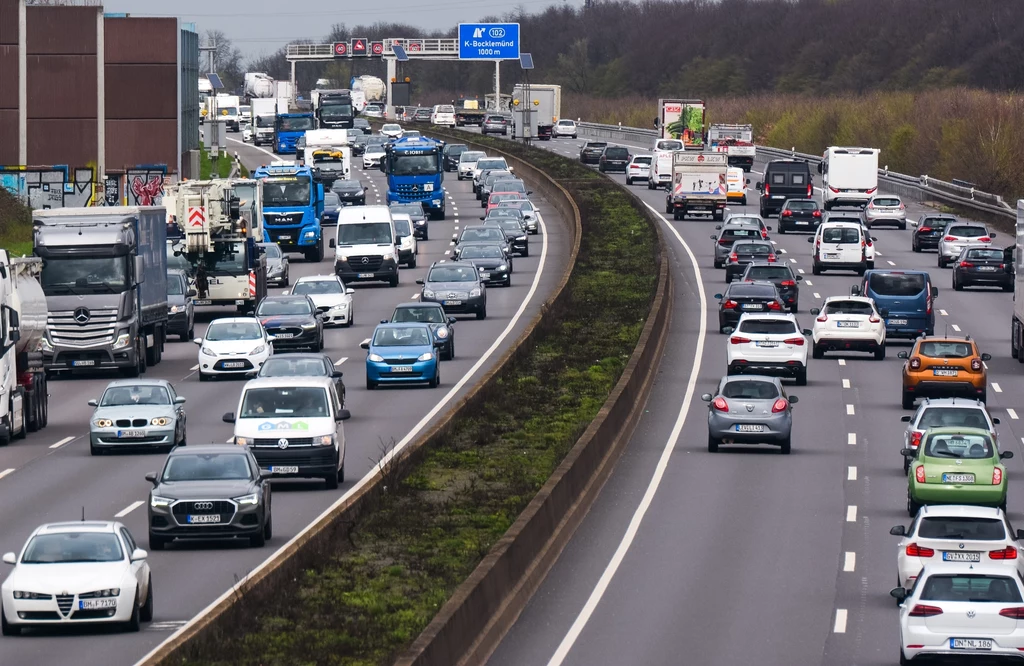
<point>203,506</point>
<point>82,315</point>
<point>496,33</point>
<point>282,443</point>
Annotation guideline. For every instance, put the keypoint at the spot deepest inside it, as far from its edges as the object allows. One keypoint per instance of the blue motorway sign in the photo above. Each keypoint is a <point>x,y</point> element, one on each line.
<point>488,41</point>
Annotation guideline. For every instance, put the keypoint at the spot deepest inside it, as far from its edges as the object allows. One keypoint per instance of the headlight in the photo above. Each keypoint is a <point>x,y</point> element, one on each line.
<point>18,594</point>
<point>520,238</point>
<point>109,592</point>
<point>174,309</point>
<point>276,269</point>
<point>342,257</point>
<point>310,234</point>
<point>122,341</point>
<point>503,267</point>
<point>426,357</point>
<point>375,358</point>
<point>309,327</point>
<point>258,350</point>
<point>207,351</point>
<point>103,423</point>
<point>442,332</point>
<point>323,440</point>
<point>388,256</point>
<point>427,293</point>
<point>156,501</point>
<point>160,421</point>
<point>249,500</point>
<point>476,292</point>
<point>243,441</point>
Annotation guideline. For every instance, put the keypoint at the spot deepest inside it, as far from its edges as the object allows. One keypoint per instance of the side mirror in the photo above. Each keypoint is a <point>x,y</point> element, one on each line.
<point>452,320</point>
<point>140,270</point>
<point>331,243</point>
<point>728,330</point>
<point>855,290</point>
<point>10,558</point>
<point>913,223</point>
<point>811,239</point>
<point>884,312</point>
<point>718,297</point>
<point>873,239</point>
<point>229,417</point>
<point>898,593</point>
<point>198,341</point>
<point>383,321</point>
<point>266,474</point>
<point>337,374</point>
<point>993,235</point>
<point>986,357</point>
<point>815,311</point>
<point>482,217</point>
<point>799,278</point>
<point>759,186</point>
<point>455,237</point>
<point>935,292</point>
<point>343,415</point>
<point>192,293</point>
<point>747,182</point>
<point>349,290</point>
<point>793,399</point>
<point>767,228</point>
<point>139,554</point>
<point>906,418</point>
<point>417,282</point>
<point>529,192</point>
<point>995,420</point>
<point>151,477</point>
<point>898,530</point>
<point>908,453</point>
<point>365,189</point>
<point>365,344</point>
<point>93,403</point>
<point>718,227</point>
<point>903,354</point>
<point>807,331</point>
<point>713,237</point>
<point>706,397</point>
<point>1020,535</point>
<point>179,400</point>
<point>1005,455</point>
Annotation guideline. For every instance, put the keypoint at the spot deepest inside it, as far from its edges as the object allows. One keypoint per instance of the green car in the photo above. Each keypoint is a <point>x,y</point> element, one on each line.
<point>956,466</point>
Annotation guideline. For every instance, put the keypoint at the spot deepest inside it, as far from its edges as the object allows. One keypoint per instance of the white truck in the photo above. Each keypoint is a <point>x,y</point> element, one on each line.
<point>264,113</point>
<point>682,119</point>
<point>1016,264</point>
<point>545,104</point>
<point>227,109</point>
<point>736,141</point>
<point>23,403</point>
<point>849,176</point>
<point>699,185</point>
<point>372,87</point>
<point>259,84</point>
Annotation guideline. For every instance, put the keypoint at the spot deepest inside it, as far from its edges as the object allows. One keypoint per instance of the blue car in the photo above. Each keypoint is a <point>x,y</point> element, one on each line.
<point>402,353</point>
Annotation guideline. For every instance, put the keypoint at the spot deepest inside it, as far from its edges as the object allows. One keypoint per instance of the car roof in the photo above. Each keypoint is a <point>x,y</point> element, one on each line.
<point>758,263</point>
<point>945,338</point>
<point>958,430</point>
<point>417,304</point>
<point>788,316</point>
<point>284,297</point>
<point>78,526</point>
<point>318,278</point>
<point>138,382</point>
<point>764,378</point>
<point>960,511</point>
<point>839,224</point>
<point>301,356</point>
<point>398,324</point>
<point>235,320</point>
<point>953,402</point>
<point>862,299</point>
<point>200,449</point>
<point>787,164</point>
<point>289,381</point>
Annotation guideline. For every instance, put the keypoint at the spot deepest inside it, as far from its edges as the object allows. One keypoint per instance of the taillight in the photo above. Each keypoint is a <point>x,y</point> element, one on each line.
<point>915,363</point>
<point>834,189</point>
<point>720,404</point>
<point>737,340</point>
<point>799,342</point>
<point>902,207</point>
<point>922,229</point>
<point>729,304</point>
<point>787,213</point>
<point>949,239</point>
<point>919,473</point>
<point>923,610</point>
<point>863,242</point>
<point>733,256</point>
<point>764,235</point>
<point>985,239</point>
<point>871,204</point>
<point>788,283</point>
<point>975,364</point>
<point>816,213</point>
<point>767,189</point>
<point>997,476</point>
<point>913,550</point>
<point>1016,613</point>
<point>774,305</point>
<point>1008,553</point>
<point>915,439</point>
<point>779,406</point>
<point>874,319</point>
<point>772,257</point>
<point>966,264</point>
<point>872,190</point>
<point>822,318</point>
<point>928,302</point>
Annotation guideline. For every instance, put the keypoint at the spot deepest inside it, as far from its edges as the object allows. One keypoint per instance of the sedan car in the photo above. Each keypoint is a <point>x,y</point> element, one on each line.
<point>181,310</point>
<point>944,413</point>
<point>743,253</point>
<point>434,316</point>
<point>956,466</point>
<point>332,206</point>
<point>457,287</point>
<point>392,130</point>
<point>944,367</point>
<point>233,346</point>
<point>451,154</point>
<point>740,297</point>
<point>531,214</point>
<point>960,236</point>
<point>358,143</point>
<point>770,344</point>
<point>928,229</point>
<point>144,413</point>
<point>750,409</point>
<point>417,214</point>
<point>210,491</point>
<point>494,266</point>
<point>639,169</point>
<point>481,234</point>
<point>736,229</point>
<point>517,238</point>
<point>983,267</point>
<point>278,268</point>
<point>848,324</point>
<point>495,198</point>
<point>403,353</point>
<point>495,123</point>
<point>421,116</point>
<point>779,274</point>
<point>362,124</point>
<point>614,158</point>
<point>885,209</point>
<point>292,321</point>
<point>305,365</point>
<point>591,152</point>
<point>564,127</point>
<point>799,215</point>
<point>372,156</point>
<point>350,192</point>
<point>333,300</point>
<point>76,573</point>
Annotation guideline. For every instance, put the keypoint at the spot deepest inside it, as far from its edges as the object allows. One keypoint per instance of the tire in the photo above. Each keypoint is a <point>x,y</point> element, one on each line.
<point>801,377</point>
<point>436,381</point>
<point>956,283</point>
<point>330,483</point>
<point>718,264</point>
<point>880,353</point>
<point>786,446</point>
<point>712,444</point>
<point>259,539</point>
<point>8,629</point>
<point>903,227</point>
<point>903,659</point>
<point>268,527</point>
<point>94,451</point>
<point>629,181</point>
<point>134,624</point>
<point>815,268</point>
<point>914,247</point>
<point>393,282</point>
<point>526,252</point>
<point>146,614</point>
<point>482,314</point>
<point>817,351</point>
<point>370,385</point>
<point>157,542</point>
<point>942,262</point>
<point>906,464</point>
<point>782,229</point>
<point>287,279</point>
<point>907,400</point>
<point>411,263</point>
<point>912,506</point>
<point>23,433</point>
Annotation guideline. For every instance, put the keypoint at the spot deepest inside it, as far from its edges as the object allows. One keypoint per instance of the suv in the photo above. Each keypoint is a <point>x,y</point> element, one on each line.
<point>885,209</point>
<point>908,297</point>
<point>452,152</point>
<point>799,215</point>
<point>928,229</point>
<point>784,180</point>
<point>768,344</point>
<point>839,246</point>
<point>944,413</point>
<point>944,367</point>
<point>495,123</point>
<point>614,158</point>
<point>779,274</point>
<point>591,152</point>
<point>848,323</point>
<point>639,169</point>
<point>564,127</point>
<point>961,235</point>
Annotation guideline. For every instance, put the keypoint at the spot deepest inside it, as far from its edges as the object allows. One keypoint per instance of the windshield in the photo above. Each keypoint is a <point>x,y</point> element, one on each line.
<point>445,108</point>
<point>740,290</point>
<point>456,150</point>
<point>507,223</point>
<point>300,123</point>
<point>347,186</point>
<point>240,330</point>
<point>264,121</point>
<point>484,164</point>
<point>135,395</point>
<point>391,127</point>
<point>318,287</point>
<point>481,252</point>
<point>751,248</point>
<point>410,165</point>
<point>952,417</point>
<point>471,156</point>
<point>802,205</point>
<point>950,527</point>
<point>397,336</point>
<point>428,315</point>
<point>226,259</point>
<point>412,210</point>
<point>767,326</point>
<point>945,349</point>
<point>747,389</point>
<point>971,587</point>
<point>336,111</point>
<point>84,275</point>
<point>231,110</point>
<point>452,274</point>
<point>402,227</point>
<point>291,402</point>
<point>273,250</point>
<point>848,308</point>
<point>283,307</point>
<point>616,153</point>
<point>206,467</point>
<point>286,191</point>
<point>896,284</point>
<point>482,235</point>
<point>73,547</point>
<point>365,233</point>
<point>967,232</point>
<point>642,160</point>
<point>966,447</point>
<point>331,199</point>
<point>510,186</point>
<point>886,201</point>
<point>282,366</point>
<point>174,287</point>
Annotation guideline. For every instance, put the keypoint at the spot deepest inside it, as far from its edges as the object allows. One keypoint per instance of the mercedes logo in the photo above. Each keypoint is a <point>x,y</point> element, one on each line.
<point>282,443</point>
<point>203,506</point>
<point>82,315</point>
<point>366,260</point>
<point>971,614</point>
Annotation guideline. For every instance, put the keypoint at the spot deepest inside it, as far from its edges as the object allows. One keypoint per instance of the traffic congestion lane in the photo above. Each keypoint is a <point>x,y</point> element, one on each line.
<point>186,579</point>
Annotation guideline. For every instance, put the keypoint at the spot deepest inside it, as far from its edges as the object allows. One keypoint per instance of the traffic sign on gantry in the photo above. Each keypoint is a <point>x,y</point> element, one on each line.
<point>488,41</point>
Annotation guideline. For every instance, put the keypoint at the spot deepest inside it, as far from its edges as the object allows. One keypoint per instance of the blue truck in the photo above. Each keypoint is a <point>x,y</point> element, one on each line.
<point>415,171</point>
<point>289,128</point>
<point>293,202</point>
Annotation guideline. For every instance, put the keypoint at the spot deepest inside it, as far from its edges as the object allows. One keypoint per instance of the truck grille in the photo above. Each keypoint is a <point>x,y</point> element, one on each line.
<point>412,192</point>
<point>281,219</point>
<point>270,442</point>
<point>366,263</point>
<point>97,329</point>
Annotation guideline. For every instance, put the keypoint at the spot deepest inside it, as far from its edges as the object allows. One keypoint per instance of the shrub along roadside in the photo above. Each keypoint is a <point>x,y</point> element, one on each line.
<point>15,225</point>
<point>379,588</point>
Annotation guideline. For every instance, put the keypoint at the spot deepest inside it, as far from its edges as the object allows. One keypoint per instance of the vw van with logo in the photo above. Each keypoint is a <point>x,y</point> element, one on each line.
<point>293,426</point>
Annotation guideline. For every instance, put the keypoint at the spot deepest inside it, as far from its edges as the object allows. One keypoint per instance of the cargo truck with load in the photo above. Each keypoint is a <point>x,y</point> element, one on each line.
<point>1015,265</point>
<point>468,112</point>
<point>264,113</point>
<point>228,109</point>
<point>545,104</point>
<point>682,119</point>
<point>23,405</point>
<point>104,274</point>
<point>699,185</point>
<point>373,88</point>
<point>736,141</point>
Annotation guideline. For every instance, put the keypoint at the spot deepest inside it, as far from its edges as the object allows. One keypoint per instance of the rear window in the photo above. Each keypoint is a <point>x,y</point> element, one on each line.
<point>596,144</point>
<point>752,248</point>
<point>945,349</point>
<point>802,205</point>
<point>889,202</point>
<point>750,389</point>
<point>961,447</point>
<point>616,153</point>
<point>952,417</point>
<point>641,160</point>
<point>990,255</point>
<point>768,273</point>
<point>971,587</point>
<point>848,308</point>
<point>967,232</point>
<point>840,235</point>
<point>740,290</point>
<point>767,326</point>
<point>974,529</point>
<point>741,233</point>
<point>445,109</point>
<point>896,284</point>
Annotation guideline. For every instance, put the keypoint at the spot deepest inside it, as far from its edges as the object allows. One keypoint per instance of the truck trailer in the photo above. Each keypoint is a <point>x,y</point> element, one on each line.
<point>23,405</point>
<point>682,119</point>
<point>545,104</point>
<point>736,141</point>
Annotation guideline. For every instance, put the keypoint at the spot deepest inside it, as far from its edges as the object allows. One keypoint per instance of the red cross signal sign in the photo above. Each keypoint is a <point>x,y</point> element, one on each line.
<point>340,48</point>
<point>377,48</point>
<point>196,216</point>
<point>359,46</point>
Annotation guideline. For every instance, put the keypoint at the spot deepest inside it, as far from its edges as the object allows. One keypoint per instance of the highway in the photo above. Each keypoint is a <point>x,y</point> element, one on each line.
<point>51,477</point>
<point>748,556</point>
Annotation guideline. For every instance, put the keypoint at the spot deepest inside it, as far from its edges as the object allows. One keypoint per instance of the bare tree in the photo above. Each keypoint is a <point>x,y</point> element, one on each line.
<point>227,59</point>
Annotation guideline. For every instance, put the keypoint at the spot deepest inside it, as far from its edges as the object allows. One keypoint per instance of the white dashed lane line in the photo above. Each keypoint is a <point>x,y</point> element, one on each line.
<point>849,410</point>
<point>851,473</point>
<point>996,388</point>
<point>943,313</point>
<point>807,282</point>
<point>801,272</point>
<point>817,295</point>
<point>345,358</point>
<point>128,509</point>
<point>57,445</point>
<point>842,361</point>
<point>1011,412</point>
<point>9,470</point>
<point>840,626</point>
<point>849,561</point>
<point>851,513</point>
<point>846,383</point>
<point>851,438</point>
<point>891,263</point>
<point>955,327</point>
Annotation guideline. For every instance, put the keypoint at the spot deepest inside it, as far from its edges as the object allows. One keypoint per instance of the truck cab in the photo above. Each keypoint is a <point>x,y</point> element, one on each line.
<point>293,202</point>
<point>333,109</point>
<point>415,171</point>
<point>289,128</point>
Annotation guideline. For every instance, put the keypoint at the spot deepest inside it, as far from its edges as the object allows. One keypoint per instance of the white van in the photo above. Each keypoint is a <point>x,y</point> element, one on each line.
<point>365,245</point>
<point>443,114</point>
<point>849,176</point>
<point>737,181</point>
<point>839,246</point>
<point>661,170</point>
<point>293,425</point>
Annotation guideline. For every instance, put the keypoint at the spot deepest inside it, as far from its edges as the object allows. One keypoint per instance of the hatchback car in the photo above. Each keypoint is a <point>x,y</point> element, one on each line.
<point>292,321</point>
<point>745,252</point>
<point>928,230</point>
<point>488,182</point>
<point>137,413</point>
<point>944,413</point>
<point>769,344</point>
<point>516,237</point>
<point>959,236</point>
<point>392,130</point>
<point>350,192</point>
<point>494,266</point>
<point>457,287</point>
<point>404,353</point>
<point>779,274</point>
<point>495,123</point>
<point>233,346</point>
<point>332,205</point>
<point>799,215</point>
<point>956,466</point>
<point>373,154</point>
<point>639,169</point>
<point>983,267</point>
<point>481,233</point>
<point>532,217</point>
<point>591,152</point>
<point>564,127</point>
<point>614,158</point>
<point>421,116</point>
<point>333,300</point>
<point>308,364</point>
<point>181,310</point>
<point>750,409</point>
<point>848,324</point>
<point>741,297</point>
<point>434,316</point>
<point>944,367</point>
<point>494,198</point>
<point>278,268</point>
<point>736,229</point>
<point>885,209</point>
<point>363,125</point>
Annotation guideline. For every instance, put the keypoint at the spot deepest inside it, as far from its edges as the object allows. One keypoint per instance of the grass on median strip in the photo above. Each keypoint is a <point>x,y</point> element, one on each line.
<point>366,603</point>
<point>15,225</point>
<point>218,168</point>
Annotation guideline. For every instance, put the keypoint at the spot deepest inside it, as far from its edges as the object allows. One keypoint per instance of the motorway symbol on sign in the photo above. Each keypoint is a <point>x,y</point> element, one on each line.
<point>340,48</point>
<point>377,48</point>
<point>196,216</point>
<point>359,46</point>
<point>488,41</point>
<point>700,158</point>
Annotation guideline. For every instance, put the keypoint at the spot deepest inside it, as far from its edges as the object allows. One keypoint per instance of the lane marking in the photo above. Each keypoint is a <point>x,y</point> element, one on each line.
<point>851,513</point>
<point>891,262</point>
<point>808,282</point>
<point>954,327</point>
<point>340,361</point>
<point>877,253</point>
<point>943,313</point>
<point>842,361</point>
<point>1012,413</point>
<point>817,295</point>
<point>659,471</point>
<point>792,260</point>
<point>840,625</point>
<point>57,445</point>
<point>128,509</point>
<point>851,438</point>
<point>415,296</point>
<point>996,388</point>
<point>447,252</point>
<point>9,470</point>
<point>851,473</point>
<point>850,561</point>
<point>801,272</point>
<point>849,410</point>
<point>846,383</point>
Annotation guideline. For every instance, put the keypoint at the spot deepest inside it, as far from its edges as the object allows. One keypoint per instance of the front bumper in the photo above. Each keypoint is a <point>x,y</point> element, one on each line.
<point>422,371</point>
<point>40,612</point>
<point>337,316</point>
<point>277,278</point>
<point>469,305</point>
<point>306,339</point>
<point>370,162</point>
<point>155,436</point>
<point>232,365</point>
<point>172,522</point>
<point>312,461</point>
<point>494,277</point>
<point>293,239</point>
<point>387,271</point>
<point>89,358</point>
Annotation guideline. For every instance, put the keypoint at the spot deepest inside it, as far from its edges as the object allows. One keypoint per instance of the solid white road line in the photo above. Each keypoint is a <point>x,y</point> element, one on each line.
<point>9,470</point>
<point>846,383</point>
<point>996,388</point>
<point>850,561</point>
<point>128,509</point>
<point>851,473</point>
<point>840,626</point>
<point>851,438</point>
<point>340,361</point>
<point>249,145</point>
<point>851,513</point>
<point>849,410</point>
<point>659,471</point>
<point>57,445</point>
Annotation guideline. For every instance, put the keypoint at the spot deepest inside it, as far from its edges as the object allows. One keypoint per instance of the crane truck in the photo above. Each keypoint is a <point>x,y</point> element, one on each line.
<point>23,405</point>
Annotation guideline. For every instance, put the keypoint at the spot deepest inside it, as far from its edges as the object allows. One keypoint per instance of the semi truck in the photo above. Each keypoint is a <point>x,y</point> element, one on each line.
<point>23,405</point>
<point>545,103</point>
<point>415,171</point>
<point>332,109</point>
<point>1016,265</point>
<point>682,119</point>
<point>699,185</point>
<point>293,203</point>
<point>217,224</point>
<point>104,273</point>
<point>264,113</point>
<point>259,85</point>
<point>288,128</point>
<point>736,141</point>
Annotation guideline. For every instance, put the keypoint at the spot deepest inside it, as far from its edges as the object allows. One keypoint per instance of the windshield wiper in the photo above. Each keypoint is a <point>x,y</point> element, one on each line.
<point>104,285</point>
<point>67,287</point>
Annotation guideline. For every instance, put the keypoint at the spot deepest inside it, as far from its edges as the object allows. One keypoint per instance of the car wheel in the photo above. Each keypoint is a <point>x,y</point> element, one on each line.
<point>801,377</point>
<point>907,400</point>
<point>204,378</point>
<point>912,506</point>
<point>782,229</point>
<point>94,450</point>
<point>482,314</point>
<point>330,482</point>
<point>817,351</point>
<point>816,268</point>
<point>436,381</point>
<point>793,308</point>
<point>956,283</point>
<point>259,539</point>
<point>903,226</point>
<point>787,445</point>
<point>712,444</point>
<point>146,614</point>
<point>134,624</point>
<point>942,262</point>
<point>393,282</point>
<point>8,629</point>
<point>370,385</point>
<point>718,264</point>
<point>880,352</point>
<point>914,247</point>
<point>903,658</point>
<point>906,464</point>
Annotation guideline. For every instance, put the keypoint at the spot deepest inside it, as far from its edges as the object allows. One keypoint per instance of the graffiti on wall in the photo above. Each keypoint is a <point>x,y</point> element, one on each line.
<point>50,187</point>
<point>113,192</point>
<point>145,186</point>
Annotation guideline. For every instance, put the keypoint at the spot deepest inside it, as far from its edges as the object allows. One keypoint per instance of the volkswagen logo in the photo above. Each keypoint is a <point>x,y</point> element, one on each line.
<point>366,260</point>
<point>82,315</point>
<point>496,33</point>
<point>203,506</point>
<point>282,443</point>
<point>971,614</point>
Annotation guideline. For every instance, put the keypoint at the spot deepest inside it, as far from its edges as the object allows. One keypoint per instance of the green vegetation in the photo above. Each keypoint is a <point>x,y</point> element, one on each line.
<point>218,168</point>
<point>377,590</point>
<point>15,225</point>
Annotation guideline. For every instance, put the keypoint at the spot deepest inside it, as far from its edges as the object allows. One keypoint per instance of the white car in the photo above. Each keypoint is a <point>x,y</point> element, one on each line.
<point>639,168</point>
<point>373,155</point>
<point>392,130</point>
<point>768,344</point>
<point>467,163</point>
<point>961,235</point>
<point>233,346</point>
<point>965,611</point>
<point>486,163</point>
<point>944,413</point>
<point>408,247</point>
<point>330,296</point>
<point>848,324</point>
<point>840,246</point>
<point>247,133</point>
<point>71,573</point>
<point>956,533</point>
<point>564,127</point>
<point>444,115</point>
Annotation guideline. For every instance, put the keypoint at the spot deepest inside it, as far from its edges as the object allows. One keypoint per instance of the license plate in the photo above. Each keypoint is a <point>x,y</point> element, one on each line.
<point>81,364</point>
<point>767,343</point>
<point>285,469</point>
<point>752,306</point>
<point>801,222</point>
<point>284,238</point>
<point>366,275</point>
<point>485,276</point>
<point>958,478</point>
<point>131,433</point>
<point>897,322</point>
<point>831,255</point>
<point>95,604</point>
<point>961,556</point>
<point>283,335</point>
<point>987,269</point>
<point>234,364</point>
<point>970,643</point>
<point>944,372</point>
<point>205,301</point>
<point>848,324</point>
<point>451,303</point>
<point>401,368</point>
<point>778,196</point>
<point>749,428</point>
<point>204,518</point>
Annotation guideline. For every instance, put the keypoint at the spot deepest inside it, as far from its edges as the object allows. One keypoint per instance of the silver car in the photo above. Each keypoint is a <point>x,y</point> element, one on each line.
<point>885,209</point>
<point>943,413</point>
<point>750,409</point>
<point>278,269</point>
<point>737,229</point>
<point>961,235</point>
<point>137,413</point>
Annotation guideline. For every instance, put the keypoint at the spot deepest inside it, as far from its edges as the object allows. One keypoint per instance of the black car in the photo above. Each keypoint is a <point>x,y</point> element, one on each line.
<point>481,233</point>
<point>457,287</point>
<point>350,192</point>
<point>487,180</point>
<point>292,321</point>
<point>784,180</point>
<point>779,274</point>
<point>510,184</point>
<point>362,124</point>
<point>735,229</point>
<point>740,297</point>
<point>305,365</point>
<point>614,158</point>
<point>495,123</point>
<point>209,491</point>
<point>591,152</point>
<point>452,152</point>
<point>929,230</point>
<point>181,311</point>
<point>441,325</point>
<point>357,142</point>
<point>494,265</point>
<point>799,215</point>
<point>515,232</point>
<point>416,213</point>
<point>421,116</point>
<point>983,266</point>
<point>745,252</point>
<point>332,206</point>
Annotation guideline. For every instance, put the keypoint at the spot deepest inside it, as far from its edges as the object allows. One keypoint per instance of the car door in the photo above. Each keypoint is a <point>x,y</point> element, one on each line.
<point>179,413</point>
<point>140,568</point>
<point>339,426</point>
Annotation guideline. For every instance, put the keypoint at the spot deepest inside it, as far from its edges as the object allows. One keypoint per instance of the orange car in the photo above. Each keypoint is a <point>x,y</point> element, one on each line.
<point>944,367</point>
